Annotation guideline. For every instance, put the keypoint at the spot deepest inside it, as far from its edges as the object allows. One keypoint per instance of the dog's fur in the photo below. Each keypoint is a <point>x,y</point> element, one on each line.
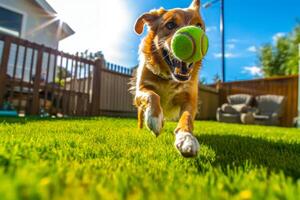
<point>159,93</point>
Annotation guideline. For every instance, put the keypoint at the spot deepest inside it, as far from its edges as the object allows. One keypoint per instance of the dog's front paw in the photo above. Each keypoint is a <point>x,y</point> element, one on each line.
<point>187,144</point>
<point>154,120</point>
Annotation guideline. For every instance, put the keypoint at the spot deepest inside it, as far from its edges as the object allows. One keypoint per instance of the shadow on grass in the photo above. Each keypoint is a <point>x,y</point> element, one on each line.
<point>13,120</point>
<point>24,120</point>
<point>234,151</point>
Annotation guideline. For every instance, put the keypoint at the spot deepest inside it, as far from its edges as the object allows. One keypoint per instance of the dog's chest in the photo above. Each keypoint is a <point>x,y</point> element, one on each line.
<point>168,93</point>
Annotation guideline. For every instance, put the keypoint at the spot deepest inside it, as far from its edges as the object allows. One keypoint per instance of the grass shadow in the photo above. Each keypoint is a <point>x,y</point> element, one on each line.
<point>234,151</point>
<point>13,120</point>
<point>24,120</point>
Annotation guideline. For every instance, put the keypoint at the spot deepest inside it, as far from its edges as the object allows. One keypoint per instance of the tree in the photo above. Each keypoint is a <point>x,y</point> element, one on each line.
<point>203,81</point>
<point>281,58</point>
<point>216,78</point>
<point>61,74</point>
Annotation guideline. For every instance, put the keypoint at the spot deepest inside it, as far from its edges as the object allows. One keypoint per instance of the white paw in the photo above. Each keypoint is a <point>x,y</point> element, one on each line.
<point>186,144</point>
<point>153,123</point>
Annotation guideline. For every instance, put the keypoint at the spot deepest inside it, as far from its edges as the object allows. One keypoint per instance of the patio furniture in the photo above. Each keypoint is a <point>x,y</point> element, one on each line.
<point>231,112</point>
<point>269,109</point>
<point>247,118</point>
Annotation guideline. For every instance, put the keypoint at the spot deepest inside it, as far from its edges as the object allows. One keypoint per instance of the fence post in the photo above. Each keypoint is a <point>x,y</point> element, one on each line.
<point>96,91</point>
<point>36,84</point>
<point>3,69</point>
<point>220,90</point>
<point>298,117</point>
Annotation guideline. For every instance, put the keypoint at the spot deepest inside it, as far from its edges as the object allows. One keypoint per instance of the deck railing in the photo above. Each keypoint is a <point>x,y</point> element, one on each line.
<point>36,79</point>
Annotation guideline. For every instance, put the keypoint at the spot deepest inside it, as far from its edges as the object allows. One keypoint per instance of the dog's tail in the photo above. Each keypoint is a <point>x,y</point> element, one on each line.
<point>140,118</point>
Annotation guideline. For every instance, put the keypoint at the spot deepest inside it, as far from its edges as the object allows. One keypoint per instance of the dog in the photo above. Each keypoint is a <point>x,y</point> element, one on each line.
<point>165,87</point>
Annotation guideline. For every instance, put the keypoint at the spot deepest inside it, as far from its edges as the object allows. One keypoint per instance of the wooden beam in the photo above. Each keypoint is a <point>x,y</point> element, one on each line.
<point>3,69</point>
<point>36,84</point>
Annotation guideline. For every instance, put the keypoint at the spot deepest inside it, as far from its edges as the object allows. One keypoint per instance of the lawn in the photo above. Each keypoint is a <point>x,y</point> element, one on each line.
<point>108,158</point>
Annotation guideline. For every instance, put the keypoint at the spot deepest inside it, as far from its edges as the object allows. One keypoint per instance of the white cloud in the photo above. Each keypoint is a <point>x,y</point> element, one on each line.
<point>253,70</point>
<point>277,36</point>
<point>231,46</point>
<point>227,55</point>
<point>211,28</point>
<point>233,40</point>
<point>252,49</point>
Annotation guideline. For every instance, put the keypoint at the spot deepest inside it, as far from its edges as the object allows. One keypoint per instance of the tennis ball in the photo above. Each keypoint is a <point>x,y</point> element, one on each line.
<point>189,44</point>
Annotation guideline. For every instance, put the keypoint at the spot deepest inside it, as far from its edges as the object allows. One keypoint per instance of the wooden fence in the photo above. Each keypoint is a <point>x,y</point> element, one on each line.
<point>286,86</point>
<point>115,99</point>
<point>31,83</point>
<point>36,79</point>
<point>208,103</point>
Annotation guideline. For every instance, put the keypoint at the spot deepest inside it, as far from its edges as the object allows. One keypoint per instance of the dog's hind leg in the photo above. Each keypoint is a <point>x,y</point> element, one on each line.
<point>140,118</point>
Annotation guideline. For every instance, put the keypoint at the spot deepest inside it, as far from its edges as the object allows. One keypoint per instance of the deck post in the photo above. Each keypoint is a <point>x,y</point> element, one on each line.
<point>96,90</point>
<point>3,69</point>
<point>298,119</point>
<point>35,108</point>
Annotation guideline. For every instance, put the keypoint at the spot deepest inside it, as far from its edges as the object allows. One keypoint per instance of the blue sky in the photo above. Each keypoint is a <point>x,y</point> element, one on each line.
<point>108,26</point>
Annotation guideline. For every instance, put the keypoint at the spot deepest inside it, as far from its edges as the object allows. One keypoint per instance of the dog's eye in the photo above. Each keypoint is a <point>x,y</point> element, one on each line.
<point>199,25</point>
<point>171,25</point>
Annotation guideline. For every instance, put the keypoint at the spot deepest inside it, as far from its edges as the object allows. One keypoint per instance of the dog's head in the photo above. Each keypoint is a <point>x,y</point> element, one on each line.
<point>156,47</point>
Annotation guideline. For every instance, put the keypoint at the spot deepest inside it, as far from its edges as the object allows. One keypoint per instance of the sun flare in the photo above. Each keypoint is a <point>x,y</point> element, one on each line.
<point>99,25</point>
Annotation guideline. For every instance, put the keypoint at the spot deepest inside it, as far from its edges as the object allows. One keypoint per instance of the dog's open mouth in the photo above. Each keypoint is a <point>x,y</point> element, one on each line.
<point>180,70</point>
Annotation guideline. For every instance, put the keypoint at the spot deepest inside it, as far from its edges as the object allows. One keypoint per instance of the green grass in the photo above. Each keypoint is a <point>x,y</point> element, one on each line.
<point>107,158</point>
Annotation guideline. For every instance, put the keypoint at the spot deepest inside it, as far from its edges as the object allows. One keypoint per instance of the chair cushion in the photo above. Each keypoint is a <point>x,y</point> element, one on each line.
<point>241,108</point>
<point>234,109</point>
<point>261,117</point>
<point>247,118</point>
<point>268,104</point>
<point>226,108</point>
<point>239,99</point>
<point>230,115</point>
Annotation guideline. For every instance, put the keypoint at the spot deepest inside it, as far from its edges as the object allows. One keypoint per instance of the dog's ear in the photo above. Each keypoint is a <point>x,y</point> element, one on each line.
<point>195,4</point>
<point>148,18</point>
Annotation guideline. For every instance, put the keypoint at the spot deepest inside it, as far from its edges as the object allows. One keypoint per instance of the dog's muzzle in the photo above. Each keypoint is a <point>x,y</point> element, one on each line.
<point>180,70</point>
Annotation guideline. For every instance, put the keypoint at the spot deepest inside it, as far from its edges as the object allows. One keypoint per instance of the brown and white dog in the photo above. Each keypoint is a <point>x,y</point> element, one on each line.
<point>165,87</point>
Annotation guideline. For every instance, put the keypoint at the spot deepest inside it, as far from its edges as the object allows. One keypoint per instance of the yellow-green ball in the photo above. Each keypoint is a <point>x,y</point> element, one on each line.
<point>189,44</point>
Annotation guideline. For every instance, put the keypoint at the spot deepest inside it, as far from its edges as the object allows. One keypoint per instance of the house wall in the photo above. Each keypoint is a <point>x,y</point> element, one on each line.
<point>33,18</point>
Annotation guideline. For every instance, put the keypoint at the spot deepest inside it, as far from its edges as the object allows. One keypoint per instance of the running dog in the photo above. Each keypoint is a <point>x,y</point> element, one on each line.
<point>165,87</point>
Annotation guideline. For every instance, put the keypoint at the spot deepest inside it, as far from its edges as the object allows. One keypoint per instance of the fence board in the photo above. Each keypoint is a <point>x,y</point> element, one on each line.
<point>37,80</point>
<point>208,103</point>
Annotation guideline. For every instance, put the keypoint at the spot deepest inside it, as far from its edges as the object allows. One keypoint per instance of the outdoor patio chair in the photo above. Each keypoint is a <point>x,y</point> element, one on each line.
<point>269,109</point>
<point>230,112</point>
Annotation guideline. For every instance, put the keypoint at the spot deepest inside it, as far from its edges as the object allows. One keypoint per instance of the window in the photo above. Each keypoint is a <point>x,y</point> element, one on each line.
<point>10,22</point>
